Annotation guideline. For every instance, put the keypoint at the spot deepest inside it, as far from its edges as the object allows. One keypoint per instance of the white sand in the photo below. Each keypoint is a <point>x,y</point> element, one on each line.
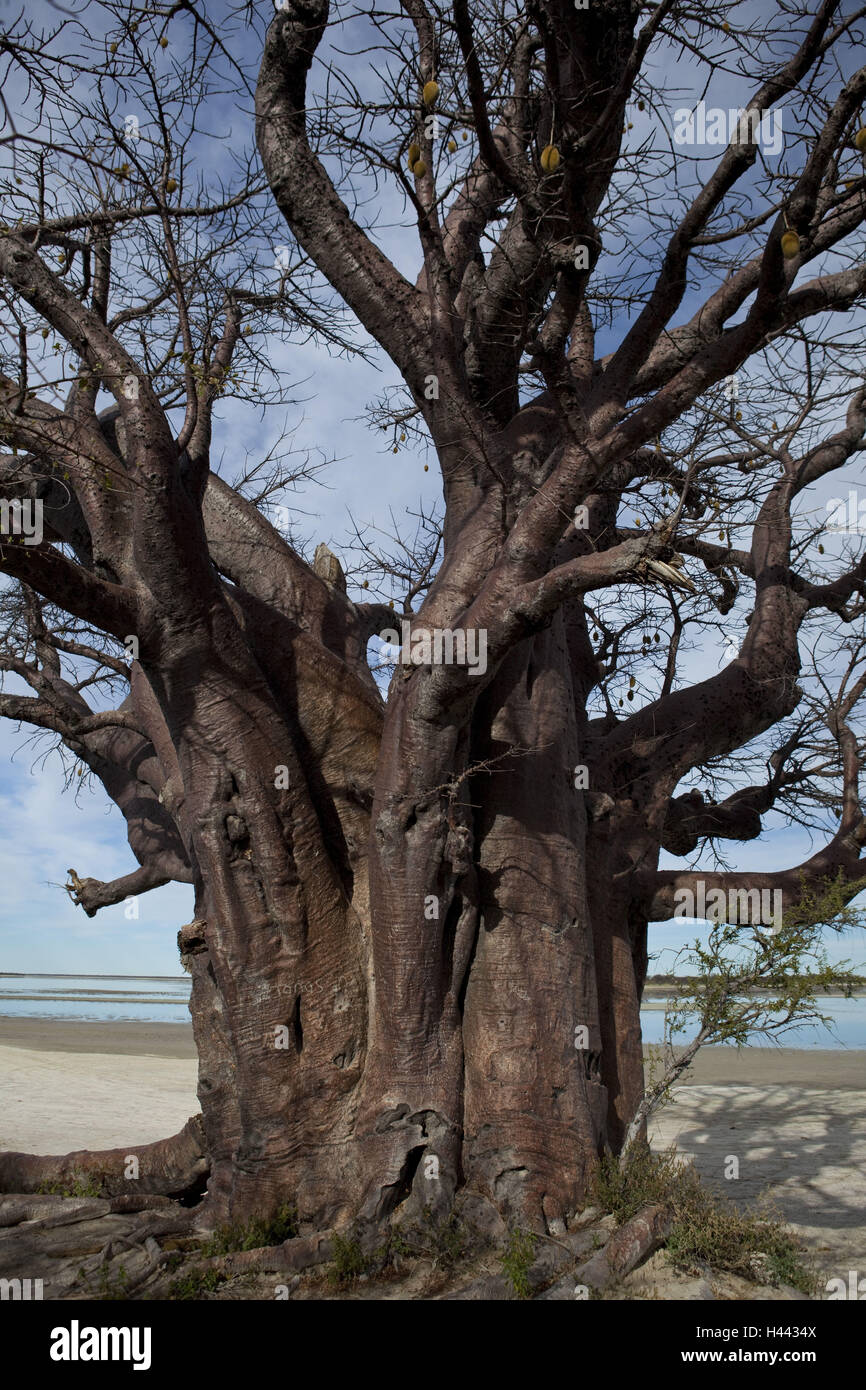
<point>795,1120</point>
<point>804,1147</point>
<point>54,1102</point>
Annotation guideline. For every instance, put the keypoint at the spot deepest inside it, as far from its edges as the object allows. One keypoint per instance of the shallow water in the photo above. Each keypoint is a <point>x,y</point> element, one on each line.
<point>96,998</point>
<point>848,1028</point>
<point>165,999</point>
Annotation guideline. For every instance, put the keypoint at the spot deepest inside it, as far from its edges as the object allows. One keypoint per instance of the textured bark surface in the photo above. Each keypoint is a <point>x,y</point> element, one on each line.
<point>627,1248</point>
<point>420,924</point>
<point>535,1103</point>
<point>175,1167</point>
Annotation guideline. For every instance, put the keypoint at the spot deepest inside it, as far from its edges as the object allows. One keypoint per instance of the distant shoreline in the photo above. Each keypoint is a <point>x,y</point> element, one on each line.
<point>132,1038</point>
<point>843,1068</point>
<point>664,991</point>
<point>653,986</point>
<point>82,975</point>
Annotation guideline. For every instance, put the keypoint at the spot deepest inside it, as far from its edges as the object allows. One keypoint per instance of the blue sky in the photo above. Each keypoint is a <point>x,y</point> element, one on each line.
<point>46,830</point>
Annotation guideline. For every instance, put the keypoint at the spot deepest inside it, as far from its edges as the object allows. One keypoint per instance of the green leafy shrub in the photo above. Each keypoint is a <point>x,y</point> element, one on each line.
<point>708,1230</point>
<point>647,1178</point>
<point>76,1185</point>
<point>517,1261</point>
<point>195,1283</point>
<point>255,1233</point>
<point>754,1245</point>
<point>349,1260</point>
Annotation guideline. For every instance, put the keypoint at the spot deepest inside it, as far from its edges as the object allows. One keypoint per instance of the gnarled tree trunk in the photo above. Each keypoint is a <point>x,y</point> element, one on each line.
<point>420,934</point>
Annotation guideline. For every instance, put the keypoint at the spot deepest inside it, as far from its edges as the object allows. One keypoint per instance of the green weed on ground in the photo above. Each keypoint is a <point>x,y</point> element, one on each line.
<point>255,1233</point>
<point>349,1260</point>
<point>196,1282</point>
<point>445,1242</point>
<point>76,1185</point>
<point>708,1230</point>
<point>517,1261</point>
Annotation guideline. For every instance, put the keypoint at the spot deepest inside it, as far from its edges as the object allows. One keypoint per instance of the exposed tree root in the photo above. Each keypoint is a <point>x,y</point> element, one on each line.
<point>293,1255</point>
<point>175,1167</point>
<point>628,1247</point>
<point>83,1247</point>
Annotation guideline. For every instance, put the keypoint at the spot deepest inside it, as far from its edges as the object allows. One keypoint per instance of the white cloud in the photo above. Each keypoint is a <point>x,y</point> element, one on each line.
<point>44,833</point>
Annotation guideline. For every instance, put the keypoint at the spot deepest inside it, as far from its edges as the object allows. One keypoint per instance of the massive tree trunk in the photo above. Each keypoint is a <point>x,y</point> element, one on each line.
<point>480,1068</point>
<point>485,1045</point>
<point>420,930</point>
<point>535,1103</point>
<point>279,1002</point>
<point>420,933</point>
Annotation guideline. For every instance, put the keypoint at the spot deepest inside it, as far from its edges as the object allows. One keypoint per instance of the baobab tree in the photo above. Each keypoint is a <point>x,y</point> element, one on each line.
<point>420,933</point>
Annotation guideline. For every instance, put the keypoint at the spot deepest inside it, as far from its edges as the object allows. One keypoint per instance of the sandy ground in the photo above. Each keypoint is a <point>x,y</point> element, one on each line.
<point>801,1146</point>
<point>794,1120</point>
<point>117,1039</point>
<point>66,1086</point>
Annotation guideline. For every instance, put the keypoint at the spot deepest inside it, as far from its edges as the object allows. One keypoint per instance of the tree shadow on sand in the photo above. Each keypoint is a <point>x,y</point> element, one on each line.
<point>805,1149</point>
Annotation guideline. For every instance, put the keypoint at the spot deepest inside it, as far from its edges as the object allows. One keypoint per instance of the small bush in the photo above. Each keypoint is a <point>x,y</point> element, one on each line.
<point>708,1230</point>
<point>754,1245</point>
<point>111,1287</point>
<point>445,1242</point>
<point>255,1234</point>
<point>195,1283</point>
<point>647,1178</point>
<point>517,1261</point>
<point>349,1260</point>
<point>395,1247</point>
<point>76,1185</point>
